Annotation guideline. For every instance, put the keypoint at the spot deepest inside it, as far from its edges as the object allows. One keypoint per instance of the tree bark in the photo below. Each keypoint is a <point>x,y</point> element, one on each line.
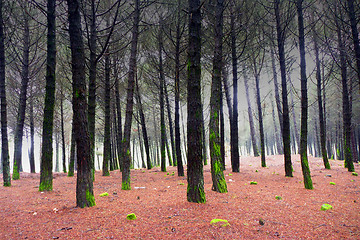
<point>62,130</point>
<point>46,178</point>
<point>32,135</point>
<point>304,100</point>
<point>320,103</point>
<point>171,130</point>
<point>280,30</point>
<point>195,178</point>
<point>130,99</point>
<point>261,125</point>
<point>19,130</point>
<point>84,184</point>
<point>217,174</point>
<point>107,124</point>
<point>72,152</point>
<point>235,159</point>
<point>4,134</point>
<point>251,120</point>
<point>161,99</point>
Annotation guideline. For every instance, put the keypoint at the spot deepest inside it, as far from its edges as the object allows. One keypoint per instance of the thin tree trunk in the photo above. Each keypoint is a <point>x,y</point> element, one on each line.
<point>261,125</point>
<point>107,125</point>
<point>161,99</point>
<point>84,182</point>
<point>180,167</point>
<point>222,129</point>
<point>251,120</point>
<point>143,127</point>
<point>304,100</point>
<point>46,178</point>
<point>355,33</point>
<point>32,135</point>
<point>195,178</point>
<point>235,159</point>
<point>57,161</point>
<point>277,140</point>
<point>230,106</point>
<point>320,103</point>
<point>72,152</point>
<point>296,131</point>
<point>130,99</point>
<point>19,130</point>
<point>285,113</point>
<point>62,130</point>
<point>346,104</point>
<point>4,134</point>
<point>171,130</point>
<point>119,120</point>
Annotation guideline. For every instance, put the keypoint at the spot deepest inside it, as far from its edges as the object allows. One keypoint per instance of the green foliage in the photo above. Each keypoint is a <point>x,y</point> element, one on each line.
<point>253,183</point>
<point>16,174</point>
<point>131,216</point>
<point>278,197</point>
<point>325,207</point>
<point>354,174</point>
<point>104,194</point>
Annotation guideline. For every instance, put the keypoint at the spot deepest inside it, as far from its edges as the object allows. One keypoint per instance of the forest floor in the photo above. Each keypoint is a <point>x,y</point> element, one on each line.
<point>159,202</point>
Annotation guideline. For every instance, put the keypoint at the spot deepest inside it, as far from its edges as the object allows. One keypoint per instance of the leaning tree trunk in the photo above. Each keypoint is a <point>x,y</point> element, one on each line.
<point>130,100</point>
<point>4,134</point>
<point>320,103</point>
<point>285,113</point>
<point>46,178</point>
<point>217,174</point>
<point>107,124</point>
<point>22,101</point>
<point>84,183</point>
<point>251,120</point>
<point>304,100</point>
<point>195,178</point>
<point>346,103</point>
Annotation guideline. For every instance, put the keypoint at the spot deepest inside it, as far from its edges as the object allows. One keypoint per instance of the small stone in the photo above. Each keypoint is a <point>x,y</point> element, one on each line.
<point>261,222</point>
<point>328,175</point>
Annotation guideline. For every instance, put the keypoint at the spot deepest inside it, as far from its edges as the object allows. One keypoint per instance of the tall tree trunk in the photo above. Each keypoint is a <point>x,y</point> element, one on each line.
<point>32,135</point>
<point>222,129</point>
<point>180,167</point>
<point>84,183</point>
<point>107,124</point>
<point>143,127</point>
<point>355,33</point>
<point>130,99</point>
<point>72,152</point>
<point>296,131</point>
<point>143,165</point>
<point>230,106</point>
<point>277,140</point>
<point>280,30</point>
<point>320,103</point>
<point>217,174</point>
<point>92,83</point>
<point>203,136</point>
<point>57,160</point>
<point>161,99</point>
<point>62,130</point>
<point>46,178</point>
<point>4,134</point>
<point>346,103</point>
<point>118,114</point>
<point>171,130</point>
<point>261,125</point>
<point>251,120</point>
<point>304,100</point>
<point>195,178</point>
<point>277,95</point>
<point>22,101</point>
<point>235,159</point>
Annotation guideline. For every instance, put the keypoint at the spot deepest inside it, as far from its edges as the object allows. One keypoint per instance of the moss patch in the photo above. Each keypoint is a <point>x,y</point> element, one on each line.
<point>104,194</point>
<point>90,198</point>
<point>354,173</point>
<point>131,216</point>
<point>278,197</point>
<point>222,222</point>
<point>332,183</point>
<point>325,207</point>
<point>253,183</point>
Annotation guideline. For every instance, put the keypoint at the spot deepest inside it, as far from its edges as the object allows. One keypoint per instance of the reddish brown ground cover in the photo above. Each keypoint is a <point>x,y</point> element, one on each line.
<point>159,202</point>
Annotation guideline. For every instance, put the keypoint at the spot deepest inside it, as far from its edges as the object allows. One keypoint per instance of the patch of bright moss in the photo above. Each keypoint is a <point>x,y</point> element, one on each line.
<point>256,171</point>
<point>90,198</point>
<point>253,183</point>
<point>325,207</point>
<point>354,173</point>
<point>278,197</point>
<point>104,194</point>
<point>223,222</point>
<point>131,216</point>
<point>230,174</point>
<point>181,183</point>
<point>332,183</point>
